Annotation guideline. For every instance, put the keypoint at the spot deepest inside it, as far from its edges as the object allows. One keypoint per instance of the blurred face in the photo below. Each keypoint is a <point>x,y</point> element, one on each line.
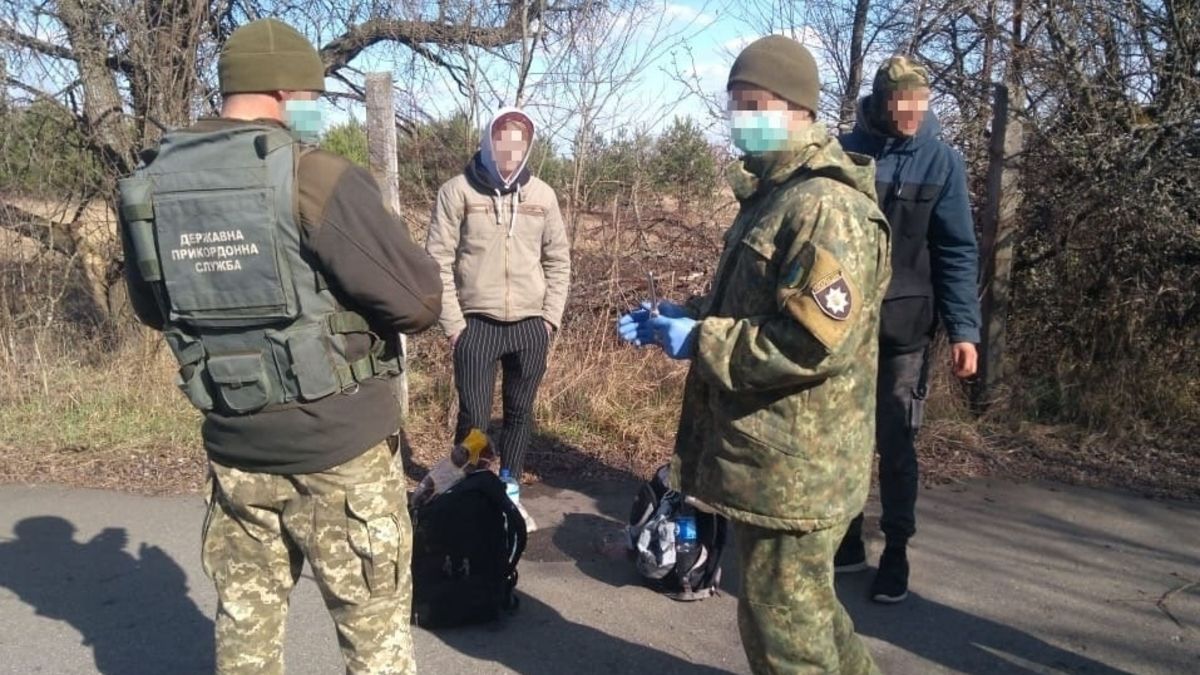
<point>761,121</point>
<point>749,97</point>
<point>906,109</point>
<point>302,111</point>
<point>510,143</point>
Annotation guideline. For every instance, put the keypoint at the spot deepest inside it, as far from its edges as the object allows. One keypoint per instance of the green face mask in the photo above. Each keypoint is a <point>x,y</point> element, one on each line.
<point>758,131</point>
<point>306,118</point>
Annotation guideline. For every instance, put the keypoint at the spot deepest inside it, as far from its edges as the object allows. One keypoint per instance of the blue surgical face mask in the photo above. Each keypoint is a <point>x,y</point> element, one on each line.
<point>306,118</point>
<point>758,131</point>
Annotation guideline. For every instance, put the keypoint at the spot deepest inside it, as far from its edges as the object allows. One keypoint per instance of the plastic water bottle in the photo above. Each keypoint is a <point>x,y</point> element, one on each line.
<point>685,535</point>
<point>687,548</point>
<point>511,487</point>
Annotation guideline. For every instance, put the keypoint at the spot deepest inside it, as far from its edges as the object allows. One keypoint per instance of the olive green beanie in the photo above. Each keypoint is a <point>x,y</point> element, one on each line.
<point>897,73</point>
<point>780,65</point>
<point>269,55</point>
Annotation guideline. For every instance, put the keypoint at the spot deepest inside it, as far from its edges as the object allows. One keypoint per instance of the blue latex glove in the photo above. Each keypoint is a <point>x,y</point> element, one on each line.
<point>676,335</point>
<point>632,327</point>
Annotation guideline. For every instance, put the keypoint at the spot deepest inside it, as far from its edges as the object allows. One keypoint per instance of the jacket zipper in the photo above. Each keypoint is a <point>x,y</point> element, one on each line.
<point>507,251</point>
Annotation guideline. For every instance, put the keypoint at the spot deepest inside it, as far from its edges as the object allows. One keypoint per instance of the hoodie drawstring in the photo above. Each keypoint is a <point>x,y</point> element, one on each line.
<point>516,201</point>
<point>512,218</point>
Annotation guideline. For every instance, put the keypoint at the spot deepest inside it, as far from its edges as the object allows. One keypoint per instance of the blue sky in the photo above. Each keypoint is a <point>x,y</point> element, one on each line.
<point>706,35</point>
<point>707,39</point>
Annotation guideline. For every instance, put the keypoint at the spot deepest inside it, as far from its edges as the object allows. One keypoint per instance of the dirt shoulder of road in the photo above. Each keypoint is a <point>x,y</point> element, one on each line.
<point>949,453</point>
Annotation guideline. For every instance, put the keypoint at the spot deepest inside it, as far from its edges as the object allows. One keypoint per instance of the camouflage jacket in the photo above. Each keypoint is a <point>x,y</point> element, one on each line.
<point>778,420</point>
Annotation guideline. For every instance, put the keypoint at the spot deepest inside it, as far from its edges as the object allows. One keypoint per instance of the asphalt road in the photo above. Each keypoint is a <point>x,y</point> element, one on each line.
<point>1007,578</point>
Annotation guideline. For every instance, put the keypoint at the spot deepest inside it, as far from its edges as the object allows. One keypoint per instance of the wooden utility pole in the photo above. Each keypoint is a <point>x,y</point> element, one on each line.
<point>385,166</point>
<point>1000,220</point>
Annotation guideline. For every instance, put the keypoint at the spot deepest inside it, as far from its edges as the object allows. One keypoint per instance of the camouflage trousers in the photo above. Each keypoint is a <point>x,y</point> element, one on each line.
<point>789,616</point>
<point>350,523</point>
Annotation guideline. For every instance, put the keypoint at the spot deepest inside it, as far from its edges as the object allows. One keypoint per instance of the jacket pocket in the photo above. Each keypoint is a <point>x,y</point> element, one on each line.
<point>479,225</point>
<point>911,208</point>
<point>767,420</point>
<point>748,285</point>
<point>796,469</point>
<point>531,225</point>
<point>240,381</point>
<point>906,324</point>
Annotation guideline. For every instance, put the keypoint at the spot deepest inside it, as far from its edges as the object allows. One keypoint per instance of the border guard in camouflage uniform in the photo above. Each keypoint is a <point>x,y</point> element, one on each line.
<point>777,426</point>
<point>272,269</point>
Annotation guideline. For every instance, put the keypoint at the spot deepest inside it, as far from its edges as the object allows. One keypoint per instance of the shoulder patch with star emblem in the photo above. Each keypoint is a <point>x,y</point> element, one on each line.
<point>822,298</point>
<point>833,296</point>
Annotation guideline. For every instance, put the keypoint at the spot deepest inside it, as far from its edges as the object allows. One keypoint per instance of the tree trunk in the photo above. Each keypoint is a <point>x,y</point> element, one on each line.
<point>104,119</point>
<point>163,86</point>
<point>854,78</point>
<point>1000,221</point>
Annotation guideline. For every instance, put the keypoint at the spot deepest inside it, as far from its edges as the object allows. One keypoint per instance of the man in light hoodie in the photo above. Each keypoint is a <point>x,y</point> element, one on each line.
<point>499,238</point>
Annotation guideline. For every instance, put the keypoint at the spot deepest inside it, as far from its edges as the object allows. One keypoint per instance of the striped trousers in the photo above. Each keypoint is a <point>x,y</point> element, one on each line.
<point>520,347</point>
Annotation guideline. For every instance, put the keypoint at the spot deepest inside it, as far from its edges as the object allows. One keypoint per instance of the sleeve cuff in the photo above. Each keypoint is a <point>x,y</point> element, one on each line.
<point>555,320</point>
<point>711,339</point>
<point>452,328</point>
<point>962,334</point>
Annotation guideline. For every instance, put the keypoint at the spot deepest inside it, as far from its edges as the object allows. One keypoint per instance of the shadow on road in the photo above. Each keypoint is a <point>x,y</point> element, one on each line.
<point>956,639</point>
<point>953,638</point>
<point>134,612</point>
<point>538,640</point>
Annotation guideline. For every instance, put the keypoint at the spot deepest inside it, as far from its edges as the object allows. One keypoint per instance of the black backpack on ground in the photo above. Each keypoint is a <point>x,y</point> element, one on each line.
<point>467,542</point>
<point>651,531</point>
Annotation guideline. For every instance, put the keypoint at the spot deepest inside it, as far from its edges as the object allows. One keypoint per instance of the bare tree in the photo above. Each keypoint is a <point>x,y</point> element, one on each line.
<point>854,74</point>
<point>591,75</point>
<point>843,36</point>
<point>122,73</point>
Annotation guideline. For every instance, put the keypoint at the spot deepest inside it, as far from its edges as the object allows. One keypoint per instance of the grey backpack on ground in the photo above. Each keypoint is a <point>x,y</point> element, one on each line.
<point>652,540</point>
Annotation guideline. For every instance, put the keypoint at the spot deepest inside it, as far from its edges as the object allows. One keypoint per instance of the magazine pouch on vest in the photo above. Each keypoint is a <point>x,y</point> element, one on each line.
<point>214,228</point>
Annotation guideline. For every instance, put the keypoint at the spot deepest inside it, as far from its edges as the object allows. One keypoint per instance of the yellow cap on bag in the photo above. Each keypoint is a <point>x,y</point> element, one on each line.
<point>475,442</point>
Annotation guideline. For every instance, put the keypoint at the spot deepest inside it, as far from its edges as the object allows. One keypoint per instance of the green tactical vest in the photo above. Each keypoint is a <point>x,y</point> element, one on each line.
<point>212,219</point>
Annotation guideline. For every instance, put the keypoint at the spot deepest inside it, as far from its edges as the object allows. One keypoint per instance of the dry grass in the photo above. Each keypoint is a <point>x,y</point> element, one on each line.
<point>79,412</point>
<point>602,408</point>
<point>1116,451</point>
<point>115,419</point>
<point>75,412</point>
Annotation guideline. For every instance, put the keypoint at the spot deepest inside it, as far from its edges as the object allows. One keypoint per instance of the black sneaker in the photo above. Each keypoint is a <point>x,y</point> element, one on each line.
<point>851,556</point>
<point>891,581</point>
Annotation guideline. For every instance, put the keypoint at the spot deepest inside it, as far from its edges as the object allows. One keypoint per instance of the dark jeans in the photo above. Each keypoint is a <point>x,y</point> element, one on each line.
<point>521,348</point>
<point>900,409</point>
